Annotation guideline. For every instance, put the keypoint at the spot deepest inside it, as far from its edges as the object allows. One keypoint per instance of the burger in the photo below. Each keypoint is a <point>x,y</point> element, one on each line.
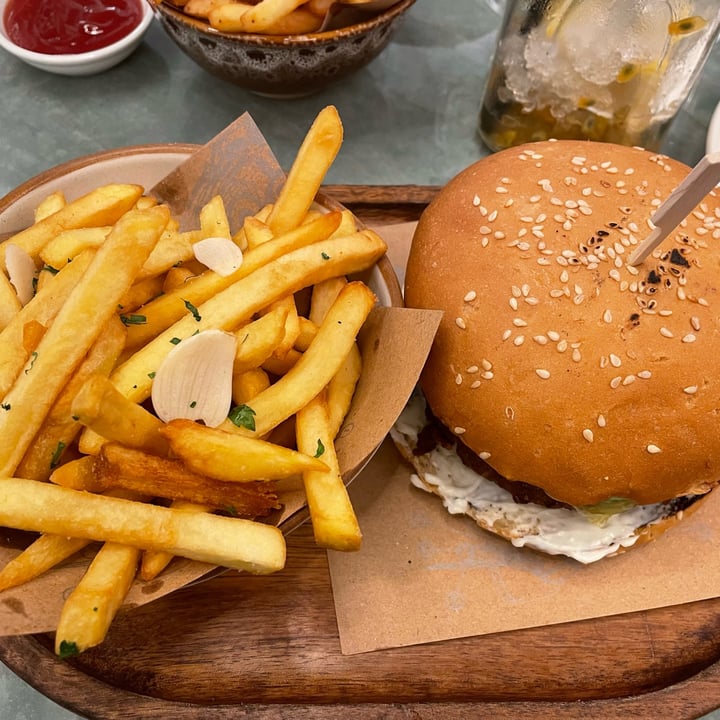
<point>571,400</point>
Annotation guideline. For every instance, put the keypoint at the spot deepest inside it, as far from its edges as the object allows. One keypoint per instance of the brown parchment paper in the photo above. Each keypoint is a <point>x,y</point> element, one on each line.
<point>239,165</point>
<point>424,575</point>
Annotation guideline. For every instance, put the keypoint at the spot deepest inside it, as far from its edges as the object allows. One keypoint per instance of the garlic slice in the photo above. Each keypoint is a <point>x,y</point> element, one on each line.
<point>21,271</point>
<point>219,254</point>
<point>195,379</point>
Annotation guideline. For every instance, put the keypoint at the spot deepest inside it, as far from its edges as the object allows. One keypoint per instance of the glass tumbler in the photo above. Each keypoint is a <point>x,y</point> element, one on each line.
<point>607,70</point>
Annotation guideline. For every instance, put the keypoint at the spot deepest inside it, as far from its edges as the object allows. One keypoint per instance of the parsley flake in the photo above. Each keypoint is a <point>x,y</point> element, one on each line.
<point>193,310</point>
<point>325,256</point>
<point>68,649</point>
<point>55,459</point>
<point>320,449</point>
<point>175,341</point>
<point>34,357</point>
<point>5,406</point>
<point>242,416</point>
<point>133,319</point>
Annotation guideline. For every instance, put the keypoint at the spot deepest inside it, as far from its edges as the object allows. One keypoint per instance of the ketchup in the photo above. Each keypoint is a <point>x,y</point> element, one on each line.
<point>56,27</point>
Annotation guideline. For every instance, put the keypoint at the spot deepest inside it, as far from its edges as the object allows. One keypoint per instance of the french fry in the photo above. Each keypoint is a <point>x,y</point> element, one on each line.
<point>91,606</point>
<point>314,158</point>
<point>233,458</point>
<point>173,247</point>
<point>213,219</point>
<point>60,427</point>
<point>246,385</point>
<point>76,326</point>
<point>324,295</point>
<point>99,406</point>
<point>161,313</point>
<point>118,467</point>
<point>320,7</point>
<point>51,204</point>
<point>257,340</point>
<point>40,556</point>
<point>335,525</point>
<point>68,244</point>
<point>256,231</point>
<point>140,293</point>
<point>42,310</point>
<point>308,331</point>
<point>202,8</point>
<point>9,302</point>
<point>153,562</point>
<point>226,310</point>
<point>76,474</point>
<point>244,17</point>
<point>281,365</point>
<point>175,278</point>
<point>292,325</point>
<point>341,388</point>
<point>229,542</point>
<point>314,370</point>
<point>102,206</point>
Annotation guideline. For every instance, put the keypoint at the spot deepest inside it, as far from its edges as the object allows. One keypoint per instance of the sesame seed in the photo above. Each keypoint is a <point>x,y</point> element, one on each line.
<point>695,322</point>
<point>615,360</point>
<point>588,435</point>
<point>484,455</point>
<point>487,375</point>
<point>665,332</point>
<point>644,374</point>
<point>487,365</point>
<point>460,323</point>
<point>459,430</point>
<point>501,189</point>
<point>607,316</point>
<point>506,334</point>
<point>562,346</point>
<point>615,382</point>
<point>553,335</point>
<point>519,340</point>
<point>542,373</point>
<point>540,339</point>
<point>519,322</point>
<point>689,338</point>
<point>601,421</point>
<point>476,201</point>
<point>484,230</point>
<point>628,380</point>
<point>472,369</point>
<point>513,303</point>
<point>458,379</point>
<point>470,296</point>
<point>653,449</point>
<point>475,385</point>
<point>690,389</point>
<point>576,355</point>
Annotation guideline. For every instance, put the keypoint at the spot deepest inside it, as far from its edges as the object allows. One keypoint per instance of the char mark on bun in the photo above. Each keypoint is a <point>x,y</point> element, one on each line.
<point>586,387</point>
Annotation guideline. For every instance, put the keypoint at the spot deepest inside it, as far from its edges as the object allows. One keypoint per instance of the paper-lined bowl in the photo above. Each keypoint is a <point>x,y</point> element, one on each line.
<point>147,165</point>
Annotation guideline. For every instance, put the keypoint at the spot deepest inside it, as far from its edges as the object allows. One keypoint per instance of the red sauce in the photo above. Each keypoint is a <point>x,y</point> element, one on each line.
<point>55,27</point>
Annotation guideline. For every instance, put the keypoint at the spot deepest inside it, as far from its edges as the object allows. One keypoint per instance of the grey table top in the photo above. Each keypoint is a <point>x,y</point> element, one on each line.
<point>410,117</point>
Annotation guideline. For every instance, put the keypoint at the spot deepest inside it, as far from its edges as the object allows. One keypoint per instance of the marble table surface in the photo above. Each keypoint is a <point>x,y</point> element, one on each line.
<point>410,118</point>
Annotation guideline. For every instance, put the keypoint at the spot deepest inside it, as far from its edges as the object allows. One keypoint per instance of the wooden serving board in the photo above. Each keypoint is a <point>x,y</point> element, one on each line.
<point>238,646</point>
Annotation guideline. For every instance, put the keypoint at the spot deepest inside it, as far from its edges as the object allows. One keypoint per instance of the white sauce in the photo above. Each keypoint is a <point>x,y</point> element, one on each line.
<point>556,531</point>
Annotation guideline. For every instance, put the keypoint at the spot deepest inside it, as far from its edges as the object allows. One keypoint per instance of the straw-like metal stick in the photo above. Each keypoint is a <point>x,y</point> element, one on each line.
<point>679,204</point>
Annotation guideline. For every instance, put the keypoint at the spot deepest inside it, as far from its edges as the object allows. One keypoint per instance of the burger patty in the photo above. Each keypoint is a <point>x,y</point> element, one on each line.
<point>435,433</point>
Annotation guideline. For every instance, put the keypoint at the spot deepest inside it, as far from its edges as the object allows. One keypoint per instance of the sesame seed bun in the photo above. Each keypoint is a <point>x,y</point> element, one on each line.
<point>556,362</point>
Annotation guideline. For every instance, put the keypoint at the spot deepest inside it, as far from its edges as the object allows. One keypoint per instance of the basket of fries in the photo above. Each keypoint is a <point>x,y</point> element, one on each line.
<point>188,368</point>
<point>282,48</point>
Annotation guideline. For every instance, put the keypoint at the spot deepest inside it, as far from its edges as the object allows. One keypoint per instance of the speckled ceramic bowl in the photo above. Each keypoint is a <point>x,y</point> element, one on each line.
<point>285,66</point>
